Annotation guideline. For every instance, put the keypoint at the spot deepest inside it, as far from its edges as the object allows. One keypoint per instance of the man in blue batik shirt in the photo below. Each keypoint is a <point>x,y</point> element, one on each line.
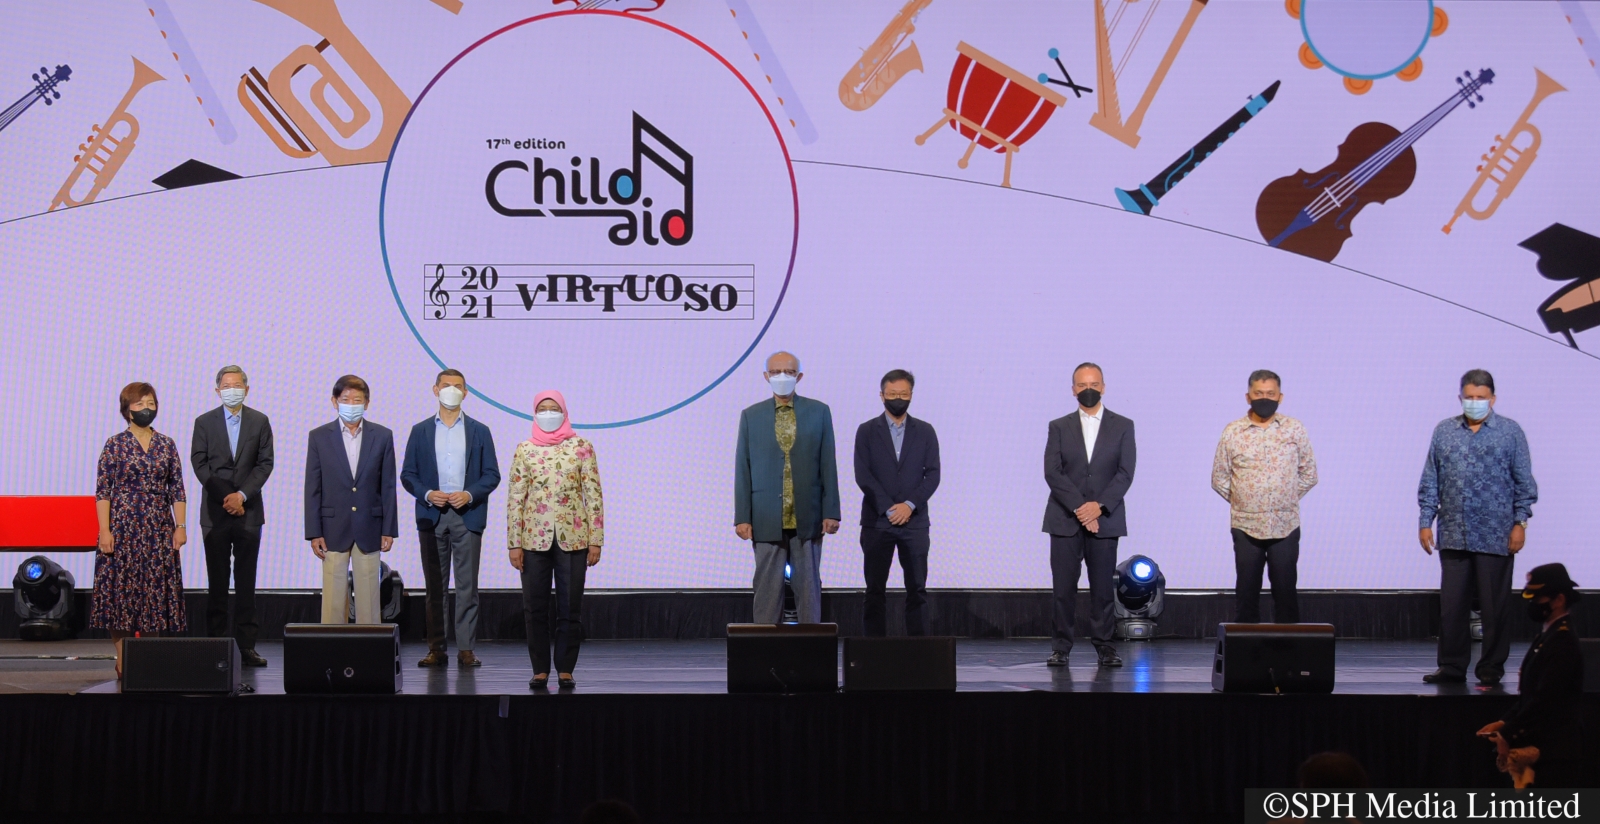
<point>1478,483</point>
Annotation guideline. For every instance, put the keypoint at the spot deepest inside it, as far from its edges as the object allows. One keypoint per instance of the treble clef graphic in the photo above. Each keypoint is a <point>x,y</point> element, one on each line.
<point>437,294</point>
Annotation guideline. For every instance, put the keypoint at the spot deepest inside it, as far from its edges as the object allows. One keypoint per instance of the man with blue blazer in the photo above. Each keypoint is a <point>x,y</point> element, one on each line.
<point>786,491</point>
<point>897,468</point>
<point>348,529</point>
<point>450,467</point>
<point>1088,463</point>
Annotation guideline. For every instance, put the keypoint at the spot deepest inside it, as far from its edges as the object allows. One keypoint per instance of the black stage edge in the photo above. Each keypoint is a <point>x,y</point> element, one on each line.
<point>1025,756</point>
<point>1025,613</point>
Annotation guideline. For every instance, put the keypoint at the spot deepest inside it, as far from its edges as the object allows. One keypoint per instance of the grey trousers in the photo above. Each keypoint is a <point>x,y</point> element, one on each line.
<point>446,545</point>
<point>805,562</point>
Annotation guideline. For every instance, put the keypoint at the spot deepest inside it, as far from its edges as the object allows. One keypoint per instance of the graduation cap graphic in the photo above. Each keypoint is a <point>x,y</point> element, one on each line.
<point>1568,254</point>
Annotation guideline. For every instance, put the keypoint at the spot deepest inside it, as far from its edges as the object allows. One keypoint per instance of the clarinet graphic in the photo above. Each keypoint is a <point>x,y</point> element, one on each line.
<point>1146,197</point>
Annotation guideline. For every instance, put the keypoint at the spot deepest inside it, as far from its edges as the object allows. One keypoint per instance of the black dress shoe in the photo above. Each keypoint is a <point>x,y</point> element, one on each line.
<point>539,683</point>
<point>1056,659</point>
<point>1442,677</point>
<point>1108,656</point>
<point>251,658</point>
<point>566,682</point>
<point>1489,680</point>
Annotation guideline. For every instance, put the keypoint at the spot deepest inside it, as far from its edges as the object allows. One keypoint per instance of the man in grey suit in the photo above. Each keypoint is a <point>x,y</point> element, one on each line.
<point>1088,463</point>
<point>348,530</point>
<point>232,457</point>
<point>786,491</point>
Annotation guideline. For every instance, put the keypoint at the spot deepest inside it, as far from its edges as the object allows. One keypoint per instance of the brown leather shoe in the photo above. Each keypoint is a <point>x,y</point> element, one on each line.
<point>435,658</point>
<point>467,659</point>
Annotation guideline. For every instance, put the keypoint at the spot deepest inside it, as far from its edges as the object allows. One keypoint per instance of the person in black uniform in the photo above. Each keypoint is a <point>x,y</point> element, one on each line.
<point>1540,741</point>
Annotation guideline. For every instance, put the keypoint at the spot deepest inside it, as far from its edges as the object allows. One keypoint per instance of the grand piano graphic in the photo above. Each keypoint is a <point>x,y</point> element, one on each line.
<point>1568,254</point>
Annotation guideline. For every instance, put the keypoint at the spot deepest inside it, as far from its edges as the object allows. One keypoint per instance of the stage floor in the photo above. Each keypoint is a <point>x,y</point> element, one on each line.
<point>699,667</point>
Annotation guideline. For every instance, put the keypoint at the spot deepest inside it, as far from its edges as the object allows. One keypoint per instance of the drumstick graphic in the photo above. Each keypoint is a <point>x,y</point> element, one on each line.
<point>787,98</point>
<point>192,72</point>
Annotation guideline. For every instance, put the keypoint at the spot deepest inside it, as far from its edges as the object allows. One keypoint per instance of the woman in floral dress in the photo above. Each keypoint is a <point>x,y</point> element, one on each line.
<point>138,576</point>
<point>555,524</point>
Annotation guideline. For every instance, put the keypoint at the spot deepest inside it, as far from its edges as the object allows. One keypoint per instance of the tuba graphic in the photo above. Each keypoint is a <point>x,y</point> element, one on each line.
<point>878,70</point>
<point>1508,163</point>
<point>105,152</point>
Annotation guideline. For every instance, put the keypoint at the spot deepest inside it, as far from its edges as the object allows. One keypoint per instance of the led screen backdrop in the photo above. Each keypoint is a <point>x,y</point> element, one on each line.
<point>635,206</point>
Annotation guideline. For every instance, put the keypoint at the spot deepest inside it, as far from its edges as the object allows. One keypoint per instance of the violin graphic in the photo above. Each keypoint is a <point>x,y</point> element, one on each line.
<point>1310,214</point>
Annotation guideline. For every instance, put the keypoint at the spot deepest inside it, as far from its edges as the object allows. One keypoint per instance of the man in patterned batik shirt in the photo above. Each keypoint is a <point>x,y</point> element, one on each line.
<point>1478,484</point>
<point>1263,468</point>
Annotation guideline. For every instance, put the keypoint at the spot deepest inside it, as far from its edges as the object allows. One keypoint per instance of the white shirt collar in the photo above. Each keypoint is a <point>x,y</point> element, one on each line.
<point>1096,416</point>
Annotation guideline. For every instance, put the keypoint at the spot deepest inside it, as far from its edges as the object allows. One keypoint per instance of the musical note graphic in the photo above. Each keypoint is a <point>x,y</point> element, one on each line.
<point>1568,254</point>
<point>1310,214</point>
<point>788,99</point>
<point>206,96</point>
<point>1145,198</point>
<point>437,295</point>
<point>44,88</point>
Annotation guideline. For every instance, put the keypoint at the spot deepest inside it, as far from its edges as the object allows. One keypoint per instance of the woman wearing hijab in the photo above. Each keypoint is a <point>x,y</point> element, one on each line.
<point>555,524</point>
<point>139,497</point>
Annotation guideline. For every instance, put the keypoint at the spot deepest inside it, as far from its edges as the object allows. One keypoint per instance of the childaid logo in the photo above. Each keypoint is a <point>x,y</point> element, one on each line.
<point>575,192</point>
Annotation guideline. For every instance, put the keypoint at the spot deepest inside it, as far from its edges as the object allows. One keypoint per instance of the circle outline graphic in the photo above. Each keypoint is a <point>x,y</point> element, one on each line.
<point>1427,34</point>
<point>794,190</point>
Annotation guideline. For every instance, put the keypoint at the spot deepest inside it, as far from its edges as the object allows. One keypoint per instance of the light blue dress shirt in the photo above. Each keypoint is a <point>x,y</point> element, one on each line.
<point>897,433</point>
<point>450,453</point>
<point>234,420</point>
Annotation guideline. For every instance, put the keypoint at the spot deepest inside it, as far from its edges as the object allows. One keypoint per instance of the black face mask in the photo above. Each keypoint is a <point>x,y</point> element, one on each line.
<point>1089,398</point>
<point>1264,407</point>
<point>144,417</point>
<point>897,406</point>
<point>1539,612</point>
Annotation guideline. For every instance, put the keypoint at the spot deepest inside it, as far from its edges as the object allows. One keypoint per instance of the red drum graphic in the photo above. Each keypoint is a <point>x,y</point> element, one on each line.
<point>993,106</point>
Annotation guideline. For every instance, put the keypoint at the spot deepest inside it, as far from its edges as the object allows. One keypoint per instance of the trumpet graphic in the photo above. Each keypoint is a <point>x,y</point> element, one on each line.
<point>1508,163</point>
<point>880,67</point>
<point>107,147</point>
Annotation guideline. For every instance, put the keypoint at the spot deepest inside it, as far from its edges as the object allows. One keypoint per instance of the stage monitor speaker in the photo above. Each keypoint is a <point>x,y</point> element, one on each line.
<point>907,664</point>
<point>1273,658</point>
<point>342,658</point>
<point>1591,663</point>
<point>783,657</point>
<point>180,665</point>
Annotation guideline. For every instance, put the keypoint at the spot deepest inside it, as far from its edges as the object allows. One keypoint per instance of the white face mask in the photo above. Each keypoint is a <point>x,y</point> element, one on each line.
<point>450,397</point>
<point>549,421</point>
<point>232,397</point>
<point>782,385</point>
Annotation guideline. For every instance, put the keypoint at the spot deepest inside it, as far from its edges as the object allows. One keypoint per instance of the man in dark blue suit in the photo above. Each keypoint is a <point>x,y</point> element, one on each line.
<point>786,491</point>
<point>1088,463</point>
<point>450,468</point>
<point>897,468</point>
<point>348,529</point>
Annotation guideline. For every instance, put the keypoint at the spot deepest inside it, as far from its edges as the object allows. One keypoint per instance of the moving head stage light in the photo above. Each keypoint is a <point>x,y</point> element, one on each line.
<point>43,595</point>
<point>1140,590</point>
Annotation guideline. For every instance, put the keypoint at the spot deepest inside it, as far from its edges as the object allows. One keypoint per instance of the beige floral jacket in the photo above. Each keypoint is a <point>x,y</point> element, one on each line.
<point>555,494</point>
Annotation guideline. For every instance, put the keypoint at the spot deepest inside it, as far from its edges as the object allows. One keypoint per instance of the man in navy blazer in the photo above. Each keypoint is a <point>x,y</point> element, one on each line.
<point>1088,463</point>
<point>348,529</point>
<point>897,468</point>
<point>786,491</point>
<point>450,468</point>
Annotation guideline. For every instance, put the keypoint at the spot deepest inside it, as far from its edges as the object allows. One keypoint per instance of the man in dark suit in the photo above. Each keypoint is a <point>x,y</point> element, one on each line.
<point>450,467</point>
<point>1088,463</point>
<point>897,468</point>
<point>232,457</point>
<point>786,491</point>
<point>348,530</point>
